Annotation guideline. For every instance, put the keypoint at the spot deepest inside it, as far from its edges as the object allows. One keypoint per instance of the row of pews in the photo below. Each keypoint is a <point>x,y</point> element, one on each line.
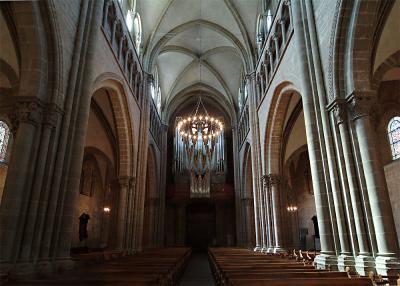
<point>160,266</point>
<point>237,266</point>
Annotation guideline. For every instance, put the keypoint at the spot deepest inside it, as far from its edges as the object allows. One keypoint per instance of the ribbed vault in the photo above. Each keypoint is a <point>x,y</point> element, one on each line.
<point>199,43</point>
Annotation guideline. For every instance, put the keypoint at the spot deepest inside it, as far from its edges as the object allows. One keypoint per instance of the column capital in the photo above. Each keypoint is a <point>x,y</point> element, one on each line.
<point>360,103</point>
<point>264,180</point>
<point>251,76</point>
<point>51,114</point>
<point>274,179</point>
<point>125,181</point>
<point>287,2</point>
<point>28,110</point>
<point>339,109</point>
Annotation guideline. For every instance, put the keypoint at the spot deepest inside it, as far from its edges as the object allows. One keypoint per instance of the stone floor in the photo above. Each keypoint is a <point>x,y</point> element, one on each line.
<point>197,272</point>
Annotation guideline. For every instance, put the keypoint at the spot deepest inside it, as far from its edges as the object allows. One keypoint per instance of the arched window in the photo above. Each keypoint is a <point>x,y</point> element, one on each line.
<point>129,20</point>
<point>4,142</point>
<point>137,30</point>
<point>269,20</point>
<point>394,136</point>
<point>159,100</point>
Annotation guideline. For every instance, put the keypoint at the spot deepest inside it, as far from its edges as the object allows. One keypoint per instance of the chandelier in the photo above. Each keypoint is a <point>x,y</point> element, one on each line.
<point>199,132</point>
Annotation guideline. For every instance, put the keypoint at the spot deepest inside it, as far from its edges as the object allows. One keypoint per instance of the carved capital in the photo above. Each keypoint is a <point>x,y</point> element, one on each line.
<point>52,112</point>
<point>287,2</point>
<point>274,179</point>
<point>29,111</point>
<point>360,104</point>
<point>264,181</point>
<point>132,182</point>
<point>124,182</point>
<point>339,109</point>
<point>250,76</point>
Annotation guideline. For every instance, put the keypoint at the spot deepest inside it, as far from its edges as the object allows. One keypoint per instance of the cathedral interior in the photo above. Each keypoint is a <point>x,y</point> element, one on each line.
<point>200,142</point>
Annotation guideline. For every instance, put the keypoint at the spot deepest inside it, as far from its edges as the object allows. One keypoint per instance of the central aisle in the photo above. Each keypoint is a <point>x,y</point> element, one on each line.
<point>197,272</point>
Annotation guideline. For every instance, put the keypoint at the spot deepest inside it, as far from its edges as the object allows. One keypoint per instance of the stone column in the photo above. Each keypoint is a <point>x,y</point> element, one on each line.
<point>321,195</point>
<point>249,222</point>
<point>131,216</point>
<point>27,117</point>
<point>122,213</point>
<point>273,183</point>
<point>263,225</point>
<point>364,260</point>
<point>277,52</point>
<point>282,24</point>
<point>256,160</point>
<point>36,210</point>
<point>268,245</point>
<point>387,260</point>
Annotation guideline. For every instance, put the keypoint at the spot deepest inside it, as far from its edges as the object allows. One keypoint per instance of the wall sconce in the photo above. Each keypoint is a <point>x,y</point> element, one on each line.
<point>291,208</point>
<point>106,210</point>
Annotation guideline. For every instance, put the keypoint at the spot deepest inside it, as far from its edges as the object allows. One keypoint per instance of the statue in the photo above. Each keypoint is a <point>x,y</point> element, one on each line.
<point>83,221</point>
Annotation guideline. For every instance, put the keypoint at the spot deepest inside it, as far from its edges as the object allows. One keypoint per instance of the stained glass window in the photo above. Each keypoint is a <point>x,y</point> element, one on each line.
<point>394,136</point>
<point>4,140</point>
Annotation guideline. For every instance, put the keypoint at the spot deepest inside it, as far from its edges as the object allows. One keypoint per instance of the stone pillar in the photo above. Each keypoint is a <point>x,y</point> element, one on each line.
<point>277,52</point>
<point>36,210</point>
<point>364,260</point>
<point>321,195</point>
<point>263,222</point>
<point>268,245</point>
<point>271,62</point>
<point>122,213</point>
<point>387,260</point>
<point>131,215</point>
<point>249,234</point>
<point>257,220</point>
<point>282,24</point>
<point>256,160</point>
<point>27,117</point>
<point>273,183</point>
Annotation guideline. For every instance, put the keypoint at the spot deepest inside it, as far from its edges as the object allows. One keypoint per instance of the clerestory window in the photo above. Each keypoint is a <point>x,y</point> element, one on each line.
<point>394,136</point>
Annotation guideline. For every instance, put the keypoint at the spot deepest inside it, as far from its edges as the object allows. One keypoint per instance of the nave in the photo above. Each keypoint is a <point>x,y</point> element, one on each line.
<point>135,132</point>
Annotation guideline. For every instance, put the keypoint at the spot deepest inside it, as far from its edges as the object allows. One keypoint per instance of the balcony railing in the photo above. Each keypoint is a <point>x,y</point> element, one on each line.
<point>155,124</point>
<point>244,125</point>
<point>274,46</point>
<point>121,42</point>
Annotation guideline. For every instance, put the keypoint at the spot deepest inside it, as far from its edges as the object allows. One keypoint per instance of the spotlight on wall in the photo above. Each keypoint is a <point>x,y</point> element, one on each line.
<point>106,209</point>
<point>291,208</point>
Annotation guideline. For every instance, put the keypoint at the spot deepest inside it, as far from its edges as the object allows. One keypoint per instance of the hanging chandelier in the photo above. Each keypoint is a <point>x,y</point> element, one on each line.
<point>199,131</point>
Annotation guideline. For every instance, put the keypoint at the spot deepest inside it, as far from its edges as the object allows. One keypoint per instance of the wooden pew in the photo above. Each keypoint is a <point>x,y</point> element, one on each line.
<point>162,266</point>
<point>233,266</point>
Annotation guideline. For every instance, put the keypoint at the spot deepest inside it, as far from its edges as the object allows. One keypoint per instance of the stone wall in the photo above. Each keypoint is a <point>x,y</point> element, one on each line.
<point>392,174</point>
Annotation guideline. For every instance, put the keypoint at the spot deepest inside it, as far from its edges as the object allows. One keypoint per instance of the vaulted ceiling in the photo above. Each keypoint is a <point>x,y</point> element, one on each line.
<point>199,43</point>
